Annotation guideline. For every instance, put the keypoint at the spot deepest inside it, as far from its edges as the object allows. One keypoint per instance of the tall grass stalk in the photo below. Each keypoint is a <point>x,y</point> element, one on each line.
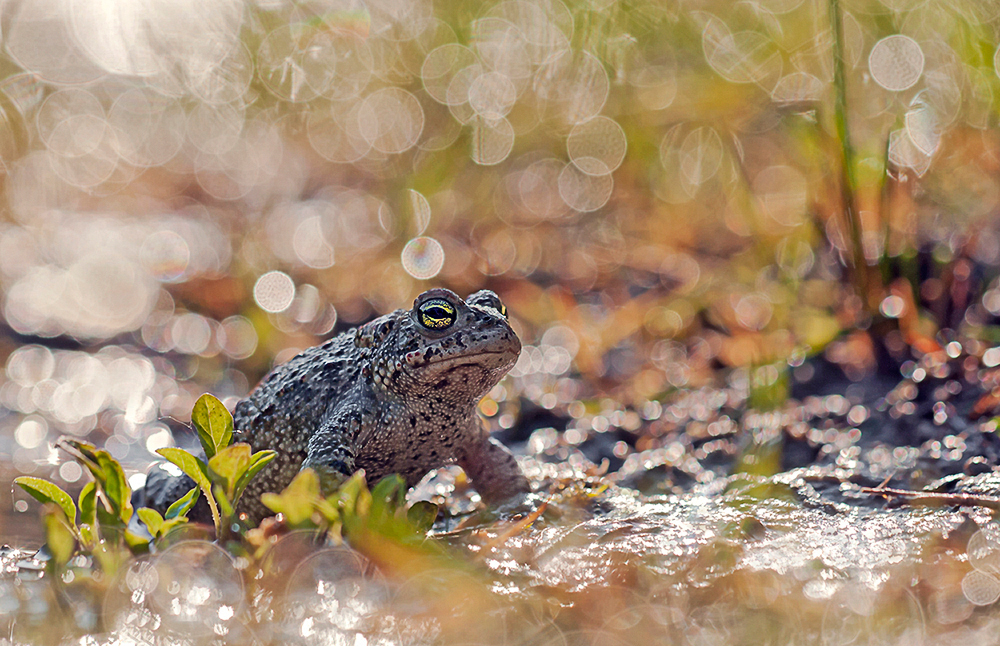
<point>848,179</point>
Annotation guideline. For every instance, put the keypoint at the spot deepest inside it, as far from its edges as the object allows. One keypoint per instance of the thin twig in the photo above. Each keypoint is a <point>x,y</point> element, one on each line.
<point>515,528</point>
<point>932,497</point>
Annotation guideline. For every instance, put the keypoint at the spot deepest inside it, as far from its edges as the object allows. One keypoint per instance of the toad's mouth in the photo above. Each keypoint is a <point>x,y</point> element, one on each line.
<point>485,359</point>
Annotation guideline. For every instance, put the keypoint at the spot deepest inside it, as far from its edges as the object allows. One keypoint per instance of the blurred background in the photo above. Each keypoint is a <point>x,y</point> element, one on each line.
<point>194,191</point>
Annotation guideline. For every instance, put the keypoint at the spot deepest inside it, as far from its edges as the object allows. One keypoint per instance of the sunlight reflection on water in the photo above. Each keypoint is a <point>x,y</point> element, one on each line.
<point>692,565</point>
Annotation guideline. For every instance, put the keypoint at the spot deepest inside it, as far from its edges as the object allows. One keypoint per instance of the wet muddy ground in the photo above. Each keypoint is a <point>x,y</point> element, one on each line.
<point>747,561</point>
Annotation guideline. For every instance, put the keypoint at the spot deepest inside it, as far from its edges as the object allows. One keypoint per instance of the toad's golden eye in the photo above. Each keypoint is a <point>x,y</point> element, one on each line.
<point>503,310</point>
<point>436,314</point>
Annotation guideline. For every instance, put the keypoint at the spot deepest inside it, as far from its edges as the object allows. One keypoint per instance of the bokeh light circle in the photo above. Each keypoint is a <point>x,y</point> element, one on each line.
<point>166,255</point>
<point>597,147</point>
<point>741,57</point>
<point>896,62</point>
<point>538,188</point>
<point>575,84</point>
<point>783,194</point>
<point>492,141</point>
<point>38,36</point>
<point>420,210</point>
<point>237,337</point>
<point>701,155</point>
<point>423,257</point>
<point>70,103</point>
<point>440,67</point>
<point>274,291</point>
<point>391,120</point>
<point>584,192</point>
<point>196,584</point>
<point>492,95</point>
<point>980,588</point>
<point>892,306</point>
<point>337,137</point>
<point>283,68</point>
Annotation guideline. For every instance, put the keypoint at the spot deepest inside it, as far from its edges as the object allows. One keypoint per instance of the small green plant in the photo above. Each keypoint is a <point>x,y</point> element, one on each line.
<point>229,467</point>
<point>375,522</point>
<point>98,521</point>
<point>353,511</point>
<point>175,515</point>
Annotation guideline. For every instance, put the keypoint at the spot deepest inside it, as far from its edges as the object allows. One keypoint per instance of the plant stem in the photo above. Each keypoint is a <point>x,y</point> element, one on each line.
<point>216,518</point>
<point>848,181</point>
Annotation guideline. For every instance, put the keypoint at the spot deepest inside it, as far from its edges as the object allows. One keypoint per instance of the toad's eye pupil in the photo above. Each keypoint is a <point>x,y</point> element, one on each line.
<point>437,315</point>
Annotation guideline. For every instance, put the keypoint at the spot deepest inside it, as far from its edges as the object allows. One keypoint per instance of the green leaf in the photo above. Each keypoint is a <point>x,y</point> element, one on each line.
<point>197,470</point>
<point>225,507</point>
<point>116,486</point>
<point>137,544</point>
<point>363,501</point>
<point>106,554</point>
<point>108,474</point>
<point>328,511</point>
<point>44,491</point>
<point>171,523</point>
<point>183,505</point>
<point>151,519</point>
<point>258,461</point>
<point>214,424</point>
<point>229,464</point>
<point>422,515</point>
<point>354,502</point>
<point>298,499</point>
<point>88,536</point>
<point>351,491</point>
<point>86,454</point>
<point>88,504</point>
<point>108,522</point>
<point>388,495</point>
<point>111,554</point>
<point>190,465</point>
<point>58,535</point>
<point>391,489</point>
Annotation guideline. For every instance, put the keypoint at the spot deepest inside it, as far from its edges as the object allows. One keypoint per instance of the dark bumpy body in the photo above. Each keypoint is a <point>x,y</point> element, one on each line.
<point>398,395</point>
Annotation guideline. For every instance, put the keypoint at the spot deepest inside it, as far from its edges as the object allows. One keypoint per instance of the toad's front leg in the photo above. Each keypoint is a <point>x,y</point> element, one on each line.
<point>492,468</point>
<point>333,448</point>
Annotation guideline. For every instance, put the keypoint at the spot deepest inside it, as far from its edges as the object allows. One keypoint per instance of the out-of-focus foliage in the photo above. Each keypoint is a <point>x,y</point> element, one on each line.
<point>353,512</point>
